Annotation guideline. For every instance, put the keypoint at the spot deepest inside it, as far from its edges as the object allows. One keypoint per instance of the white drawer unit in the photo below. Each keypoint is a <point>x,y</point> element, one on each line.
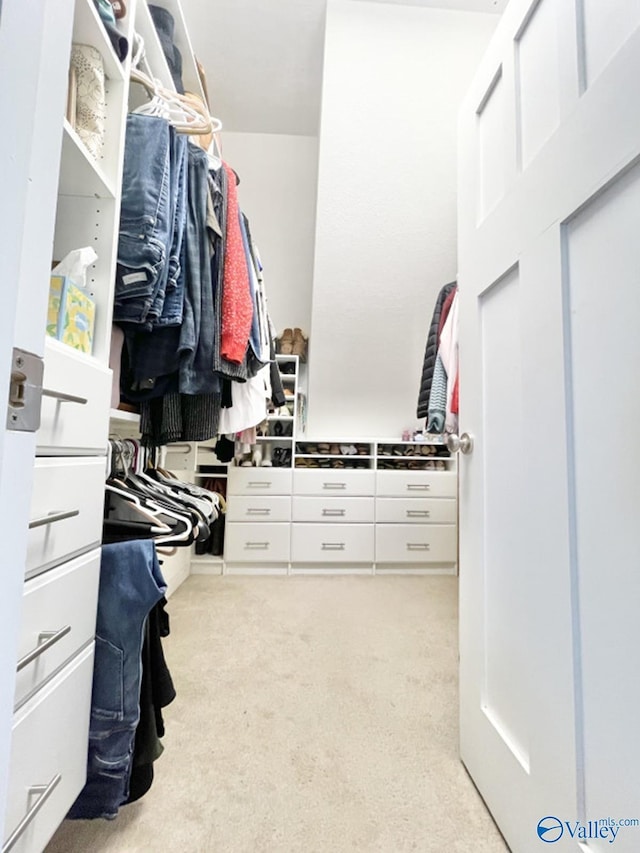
<point>58,619</point>
<point>333,510</point>
<point>258,508</point>
<point>259,481</point>
<point>329,481</point>
<point>332,543</point>
<point>416,511</point>
<point>73,421</point>
<point>66,510</point>
<point>257,543</point>
<point>49,756</point>
<point>418,484</point>
<point>410,543</point>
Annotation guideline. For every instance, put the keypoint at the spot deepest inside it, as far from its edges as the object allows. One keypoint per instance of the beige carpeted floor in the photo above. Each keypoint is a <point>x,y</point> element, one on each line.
<point>314,715</point>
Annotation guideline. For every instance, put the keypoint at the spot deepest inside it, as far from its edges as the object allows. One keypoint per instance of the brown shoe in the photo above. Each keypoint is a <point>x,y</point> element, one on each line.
<point>286,342</point>
<point>299,347</point>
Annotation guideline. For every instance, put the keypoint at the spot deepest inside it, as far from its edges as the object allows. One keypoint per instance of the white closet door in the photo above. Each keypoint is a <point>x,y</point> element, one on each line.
<point>34,39</point>
<point>549,253</point>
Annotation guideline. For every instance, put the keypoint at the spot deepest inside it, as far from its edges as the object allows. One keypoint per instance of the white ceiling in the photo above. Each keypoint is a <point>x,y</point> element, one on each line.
<point>263,58</point>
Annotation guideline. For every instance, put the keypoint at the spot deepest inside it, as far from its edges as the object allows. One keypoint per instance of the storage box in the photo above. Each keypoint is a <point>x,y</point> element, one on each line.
<point>71,314</point>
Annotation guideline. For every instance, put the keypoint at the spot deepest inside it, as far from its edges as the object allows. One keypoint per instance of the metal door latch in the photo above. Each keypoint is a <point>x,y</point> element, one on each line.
<point>25,391</point>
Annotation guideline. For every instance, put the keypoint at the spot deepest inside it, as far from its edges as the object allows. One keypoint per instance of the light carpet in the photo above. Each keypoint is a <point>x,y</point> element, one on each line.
<point>314,715</point>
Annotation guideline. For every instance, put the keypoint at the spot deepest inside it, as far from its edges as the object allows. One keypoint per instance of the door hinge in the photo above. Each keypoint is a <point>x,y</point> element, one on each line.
<point>25,391</point>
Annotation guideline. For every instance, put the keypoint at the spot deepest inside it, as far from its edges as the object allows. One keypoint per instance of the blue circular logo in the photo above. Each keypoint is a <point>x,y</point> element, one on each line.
<point>550,829</point>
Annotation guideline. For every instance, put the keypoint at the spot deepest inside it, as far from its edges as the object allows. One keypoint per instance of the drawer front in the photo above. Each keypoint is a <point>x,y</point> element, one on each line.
<point>417,484</point>
<point>59,607</point>
<point>50,737</point>
<point>259,481</point>
<point>332,543</point>
<point>333,510</point>
<point>416,511</point>
<point>257,543</point>
<point>79,425</point>
<point>70,492</point>
<point>258,508</point>
<point>408,543</point>
<point>329,481</point>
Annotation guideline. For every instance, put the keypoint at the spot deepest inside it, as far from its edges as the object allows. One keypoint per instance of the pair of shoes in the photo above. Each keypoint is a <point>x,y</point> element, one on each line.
<point>286,342</point>
<point>266,455</point>
<point>299,345</point>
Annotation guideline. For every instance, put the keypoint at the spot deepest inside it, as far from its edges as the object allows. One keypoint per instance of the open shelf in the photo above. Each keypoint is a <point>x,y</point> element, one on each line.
<point>80,174</point>
<point>116,415</point>
<point>88,29</point>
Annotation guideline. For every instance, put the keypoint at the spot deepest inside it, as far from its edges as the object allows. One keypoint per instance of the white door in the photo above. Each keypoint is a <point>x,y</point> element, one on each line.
<point>30,70</point>
<point>549,274</point>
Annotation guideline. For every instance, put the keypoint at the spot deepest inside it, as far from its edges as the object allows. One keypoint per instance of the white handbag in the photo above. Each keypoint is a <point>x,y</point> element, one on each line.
<point>91,104</point>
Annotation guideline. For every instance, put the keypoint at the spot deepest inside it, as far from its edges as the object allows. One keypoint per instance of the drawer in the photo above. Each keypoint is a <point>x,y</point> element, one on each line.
<point>329,481</point>
<point>63,604</point>
<point>416,510</point>
<point>76,420</point>
<point>256,543</point>
<point>49,740</point>
<point>407,543</point>
<point>259,481</point>
<point>258,508</point>
<point>69,492</point>
<point>419,484</point>
<point>332,543</point>
<point>330,509</point>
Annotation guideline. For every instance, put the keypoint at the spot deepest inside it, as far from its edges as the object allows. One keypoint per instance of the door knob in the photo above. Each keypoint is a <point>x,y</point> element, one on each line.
<point>464,443</point>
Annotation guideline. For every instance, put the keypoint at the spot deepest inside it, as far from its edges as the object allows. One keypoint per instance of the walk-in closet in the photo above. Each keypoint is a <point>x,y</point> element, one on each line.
<point>319,355</point>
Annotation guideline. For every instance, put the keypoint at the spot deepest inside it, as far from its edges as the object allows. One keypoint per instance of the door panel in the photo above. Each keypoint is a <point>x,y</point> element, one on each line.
<point>549,358</point>
<point>506,635</point>
<point>602,259</point>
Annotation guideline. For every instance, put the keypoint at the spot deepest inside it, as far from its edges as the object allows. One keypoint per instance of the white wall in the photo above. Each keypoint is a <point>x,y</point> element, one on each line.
<point>278,179</point>
<point>386,223</point>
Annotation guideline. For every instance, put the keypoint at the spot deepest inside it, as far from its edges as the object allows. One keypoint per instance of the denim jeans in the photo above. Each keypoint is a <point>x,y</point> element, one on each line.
<point>130,584</point>
<point>145,218</point>
<point>167,308</point>
<point>197,331</point>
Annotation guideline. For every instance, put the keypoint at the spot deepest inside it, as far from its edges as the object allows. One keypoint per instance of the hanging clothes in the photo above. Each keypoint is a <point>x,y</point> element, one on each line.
<point>431,351</point>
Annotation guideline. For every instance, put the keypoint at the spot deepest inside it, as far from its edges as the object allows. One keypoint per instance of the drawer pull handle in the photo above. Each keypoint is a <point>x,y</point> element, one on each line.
<point>255,484</point>
<point>334,485</point>
<point>44,792</point>
<point>418,513</point>
<point>338,513</point>
<point>258,510</point>
<point>52,517</point>
<point>46,639</point>
<point>418,487</point>
<point>333,546</point>
<point>417,546</point>
<point>256,546</point>
<point>65,398</point>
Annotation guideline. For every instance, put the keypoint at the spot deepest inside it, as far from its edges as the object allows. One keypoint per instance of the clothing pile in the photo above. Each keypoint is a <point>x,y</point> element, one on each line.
<point>438,396</point>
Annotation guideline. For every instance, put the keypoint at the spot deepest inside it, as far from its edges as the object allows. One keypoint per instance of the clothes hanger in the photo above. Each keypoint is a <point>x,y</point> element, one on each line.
<point>164,103</point>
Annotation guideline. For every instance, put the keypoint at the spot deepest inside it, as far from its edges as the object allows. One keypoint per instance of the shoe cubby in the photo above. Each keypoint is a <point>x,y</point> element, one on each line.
<point>314,454</point>
<point>414,456</point>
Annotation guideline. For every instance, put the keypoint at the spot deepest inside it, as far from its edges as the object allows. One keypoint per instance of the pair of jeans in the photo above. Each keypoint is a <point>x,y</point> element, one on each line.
<point>131,583</point>
<point>197,331</point>
<point>151,222</point>
<point>167,308</point>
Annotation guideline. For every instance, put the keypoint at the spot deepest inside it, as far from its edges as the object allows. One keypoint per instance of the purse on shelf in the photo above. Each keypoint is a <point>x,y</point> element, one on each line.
<point>91,104</point>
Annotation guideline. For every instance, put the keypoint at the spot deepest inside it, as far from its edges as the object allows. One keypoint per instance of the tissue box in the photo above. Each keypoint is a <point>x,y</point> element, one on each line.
<point>71,315</point>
